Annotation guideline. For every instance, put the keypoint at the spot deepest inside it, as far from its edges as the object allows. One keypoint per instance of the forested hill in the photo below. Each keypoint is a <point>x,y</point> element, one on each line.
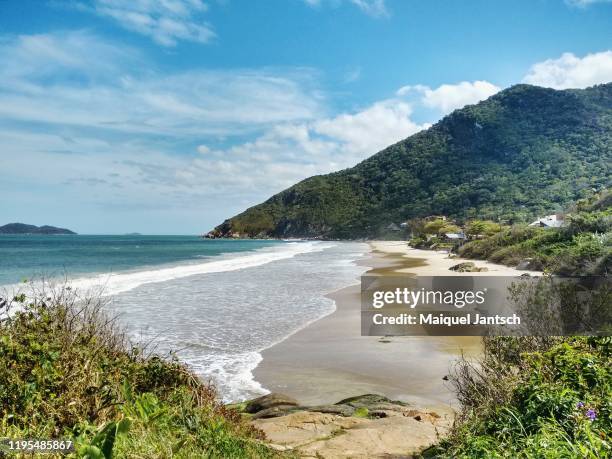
<point>22,228</point>
<point>523,152</point>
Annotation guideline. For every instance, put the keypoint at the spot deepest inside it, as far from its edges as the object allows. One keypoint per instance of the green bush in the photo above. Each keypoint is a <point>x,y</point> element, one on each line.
<point>552,400</point>
<point>67,371</point>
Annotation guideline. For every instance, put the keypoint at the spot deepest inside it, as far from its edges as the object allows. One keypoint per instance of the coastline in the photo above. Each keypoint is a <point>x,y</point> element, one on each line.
<point>329,360</point>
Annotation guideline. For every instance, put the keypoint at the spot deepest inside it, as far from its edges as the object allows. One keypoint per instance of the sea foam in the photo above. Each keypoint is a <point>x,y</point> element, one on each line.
<point>219,314</point>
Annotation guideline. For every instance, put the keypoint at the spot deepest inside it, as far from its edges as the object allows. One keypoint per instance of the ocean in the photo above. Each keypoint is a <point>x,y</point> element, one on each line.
<point>215,303</point>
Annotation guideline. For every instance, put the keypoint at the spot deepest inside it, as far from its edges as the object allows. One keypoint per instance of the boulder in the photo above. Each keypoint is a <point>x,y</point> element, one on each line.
<point>524,264</point>
<point>276,411</point>
<point>380,435</point>
<point>467,267</point>
<point>269,401</point>
<point>370,401</point>
<point>529,264</point>
<point>341,410</point>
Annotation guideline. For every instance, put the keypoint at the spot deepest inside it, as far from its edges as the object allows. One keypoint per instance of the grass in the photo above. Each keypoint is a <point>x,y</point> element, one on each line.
<point>68,371</point>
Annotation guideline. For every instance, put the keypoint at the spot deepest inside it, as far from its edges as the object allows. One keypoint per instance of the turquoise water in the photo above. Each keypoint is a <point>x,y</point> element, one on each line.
<point>31,256</point>
<point>215,303</point>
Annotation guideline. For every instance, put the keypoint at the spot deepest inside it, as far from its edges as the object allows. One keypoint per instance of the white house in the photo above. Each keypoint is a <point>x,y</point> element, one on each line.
<point>550,221</point>
<point>455,236</point>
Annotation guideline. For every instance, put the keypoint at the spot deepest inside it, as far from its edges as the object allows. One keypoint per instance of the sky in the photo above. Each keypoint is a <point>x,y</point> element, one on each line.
<point>169,116</point>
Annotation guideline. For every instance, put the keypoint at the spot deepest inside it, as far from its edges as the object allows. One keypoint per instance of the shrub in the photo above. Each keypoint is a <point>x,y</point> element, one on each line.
<point>68,371</point>
<point>533,397</point>
<point>536,396</point>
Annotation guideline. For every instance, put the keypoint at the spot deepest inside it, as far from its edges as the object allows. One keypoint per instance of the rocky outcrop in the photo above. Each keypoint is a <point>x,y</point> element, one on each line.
<point>467,267</point>
<point>529,264</point>
<point>269,401</point>
<point>366,426</point>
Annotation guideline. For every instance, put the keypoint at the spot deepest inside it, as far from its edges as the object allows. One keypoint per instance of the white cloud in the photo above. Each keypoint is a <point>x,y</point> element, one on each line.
<point>76,78</point>
<point>119,139</point>
<point>112,136</point>
<point>372,129</point>
<point>165,21</point>
<point>374,8</point>
<point>63,54</point>
<point>352,75</point>
<point>585,3</point>
<point>289,152</point>
<point>570,71</point>
<point>449,97</point>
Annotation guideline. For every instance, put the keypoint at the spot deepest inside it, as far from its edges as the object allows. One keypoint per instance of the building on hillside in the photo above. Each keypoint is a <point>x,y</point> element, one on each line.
<point>432,218</point>
<point>550,221</point>
<point>393,227</point>
<point>455,237</point>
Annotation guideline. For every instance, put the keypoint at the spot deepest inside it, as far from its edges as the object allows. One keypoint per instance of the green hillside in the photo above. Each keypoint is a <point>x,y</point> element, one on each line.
<point>525,151</point>
<point>22,228</point>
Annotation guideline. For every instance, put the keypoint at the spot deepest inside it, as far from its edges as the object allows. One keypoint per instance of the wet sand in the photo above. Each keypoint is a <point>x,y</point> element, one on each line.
<point>329,360</point>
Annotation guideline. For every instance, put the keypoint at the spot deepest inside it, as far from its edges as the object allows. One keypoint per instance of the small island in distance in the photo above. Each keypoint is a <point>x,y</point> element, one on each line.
<point>22,228</point>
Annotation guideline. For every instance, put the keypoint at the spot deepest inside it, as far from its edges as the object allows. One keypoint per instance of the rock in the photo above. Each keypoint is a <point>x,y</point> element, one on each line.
<point>276,411</point>
<point>269,401</point>
<point>341,410</point>
<point>386,406</point>
<point>529,264</point>
<point>321,435</point>
<point>369,401</point>
<point>524,264</point>
<point>467,267</point>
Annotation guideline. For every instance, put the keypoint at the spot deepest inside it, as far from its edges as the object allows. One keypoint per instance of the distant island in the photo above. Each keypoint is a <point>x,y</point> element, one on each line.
<point>22,228</point>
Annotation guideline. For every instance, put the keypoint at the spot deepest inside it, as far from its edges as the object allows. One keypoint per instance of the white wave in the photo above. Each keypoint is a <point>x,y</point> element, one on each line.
<point>231,369</point>
<point>232,374</point>
<point>109,284</point>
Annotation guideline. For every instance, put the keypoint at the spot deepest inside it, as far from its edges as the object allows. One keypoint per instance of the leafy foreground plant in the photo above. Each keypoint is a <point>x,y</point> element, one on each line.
<point>538,396</point>
<point>534,397</point>
<point>67,371</point>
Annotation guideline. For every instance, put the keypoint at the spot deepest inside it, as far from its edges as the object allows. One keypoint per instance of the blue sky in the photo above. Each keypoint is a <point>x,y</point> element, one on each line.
<point>168,116</point>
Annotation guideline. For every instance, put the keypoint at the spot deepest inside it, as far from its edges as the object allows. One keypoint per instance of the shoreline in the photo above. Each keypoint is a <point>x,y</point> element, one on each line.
<point>328,359</point>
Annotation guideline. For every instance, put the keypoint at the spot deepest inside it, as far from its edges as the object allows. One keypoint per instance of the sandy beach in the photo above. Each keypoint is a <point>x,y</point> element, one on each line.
<point>329,360</point>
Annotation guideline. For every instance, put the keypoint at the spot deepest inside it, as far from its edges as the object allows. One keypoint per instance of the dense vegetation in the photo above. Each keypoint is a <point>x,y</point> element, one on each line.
<point>549,396</point>
<point>67,372</point>
<point>584,246</point>
<point>525,152</point>
<point>534,398</point>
